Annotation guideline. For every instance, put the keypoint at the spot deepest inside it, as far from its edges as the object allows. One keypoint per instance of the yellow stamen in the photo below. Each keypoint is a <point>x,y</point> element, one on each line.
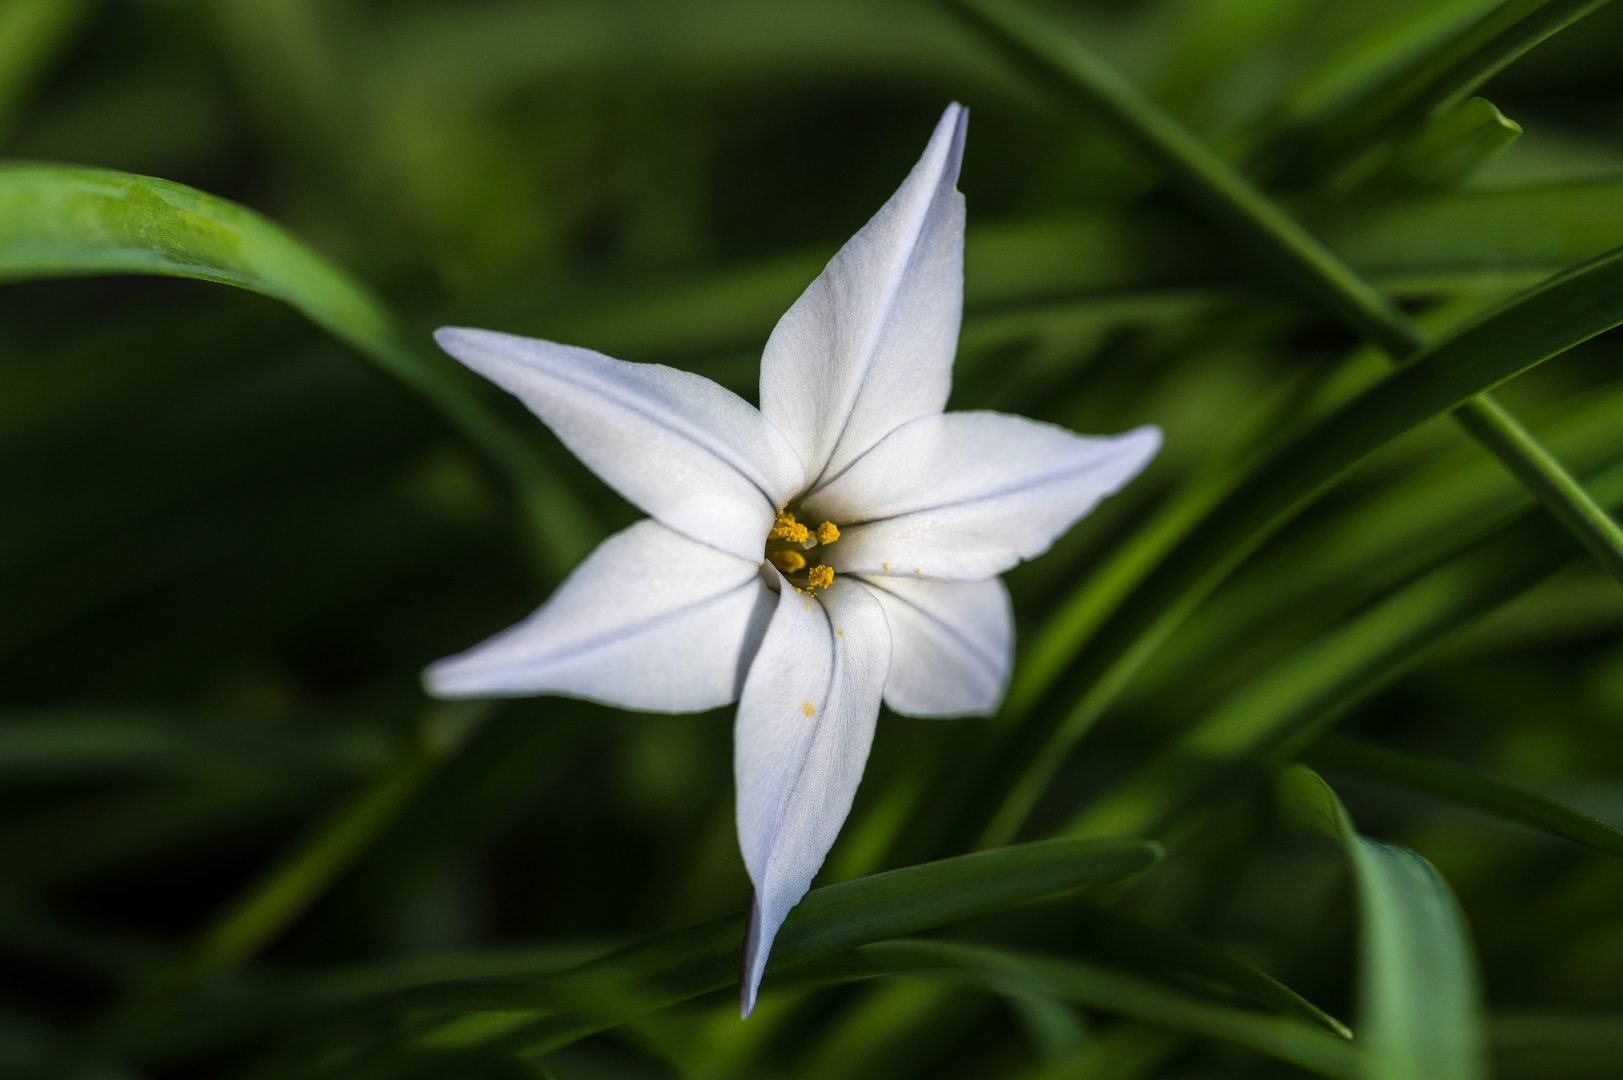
<point>790,531</point>
<point>827,532</point>
<point>785,518</point>
<point>788,561</point>
<point>820,576</point>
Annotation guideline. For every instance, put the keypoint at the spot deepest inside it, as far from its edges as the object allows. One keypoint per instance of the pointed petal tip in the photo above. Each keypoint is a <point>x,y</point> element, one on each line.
<point>751,964</point>
<point>952,127</point>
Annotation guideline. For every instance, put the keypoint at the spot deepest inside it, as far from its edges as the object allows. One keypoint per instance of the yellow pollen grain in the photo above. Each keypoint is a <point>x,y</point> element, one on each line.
<point>808,709</point>
<point>887,566</point>
<point>820,576</point>
<point>827,532</point>
<point>788,561</point>
<point>839,633</point>
<point>790,531</point>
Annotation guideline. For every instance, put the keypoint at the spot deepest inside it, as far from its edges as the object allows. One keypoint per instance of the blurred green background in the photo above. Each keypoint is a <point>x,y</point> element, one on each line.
<point>230,541</point>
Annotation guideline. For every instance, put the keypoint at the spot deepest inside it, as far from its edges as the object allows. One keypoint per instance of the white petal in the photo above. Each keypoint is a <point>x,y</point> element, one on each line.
<point>651,620</point>
<point>690,453</point>
<point>951,644</point>
<point>805,722</point>
<point>870,343</point>
<point>967,495</point>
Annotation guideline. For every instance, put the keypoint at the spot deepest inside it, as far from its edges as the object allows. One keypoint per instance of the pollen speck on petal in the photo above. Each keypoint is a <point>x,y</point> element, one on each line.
<point>808,709</point>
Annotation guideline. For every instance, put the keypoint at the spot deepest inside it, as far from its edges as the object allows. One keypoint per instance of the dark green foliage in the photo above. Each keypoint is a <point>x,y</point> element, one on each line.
<point>1304,237</point>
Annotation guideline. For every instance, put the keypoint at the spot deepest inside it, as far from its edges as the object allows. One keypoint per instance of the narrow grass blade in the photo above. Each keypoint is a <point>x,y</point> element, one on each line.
<point>1449,147</point>
<point>1035,43</point>
<point>1120,940</point>
<point>80,742</point>
<point>1289,704</point>
<point>1345,754</point>
<point>1420,1003</point>
<point>1117,992</point>
<point>1299,257</point>
<point>1565,311</point>
<point>541,1009</point>
<point>1430,83</point>
<point>60,221</point>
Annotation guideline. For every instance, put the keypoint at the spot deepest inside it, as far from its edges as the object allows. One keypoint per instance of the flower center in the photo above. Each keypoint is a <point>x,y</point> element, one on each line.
<point>786,545</point>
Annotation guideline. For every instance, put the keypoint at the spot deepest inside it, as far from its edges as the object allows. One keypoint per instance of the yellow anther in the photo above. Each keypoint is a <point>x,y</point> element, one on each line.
<point>827,532</point>
<point>820,576</point>
<point>789,531</point>
<point>788,561</point>
<point>784,518</point>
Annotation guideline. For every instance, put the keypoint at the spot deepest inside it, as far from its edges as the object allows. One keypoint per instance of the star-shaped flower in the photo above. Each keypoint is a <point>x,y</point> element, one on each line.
<point>837,547</point>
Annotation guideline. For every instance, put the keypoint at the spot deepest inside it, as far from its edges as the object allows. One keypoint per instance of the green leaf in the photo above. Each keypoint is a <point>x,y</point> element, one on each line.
<point>1301,260</point>
<point>64,744</point>
<point>1127,942</point>
<point>1513,337</point>
<point>1102,988</point>
<point>535,1015</point>
<point>1426,240</point>
<point>1431,83</point>
<point>1449,147</point>
<point>1288,704</point>
<point>1345,754</point>
<point>59,221</point>
<point>1420,1004</point>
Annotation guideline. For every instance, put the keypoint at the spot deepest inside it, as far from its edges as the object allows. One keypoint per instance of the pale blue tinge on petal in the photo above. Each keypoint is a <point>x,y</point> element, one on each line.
<point>688,452</point>
<point>967,495</point>
<point>651,620</point>
<point>870,343</point>
<point>805,722</point>
<point>951,644</point>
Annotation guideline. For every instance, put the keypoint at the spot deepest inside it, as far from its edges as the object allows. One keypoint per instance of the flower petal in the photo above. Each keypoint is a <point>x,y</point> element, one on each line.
<point>651,620</point>
<point>951,644</point>
<point>869,345</point>
<point>967,495</point>
<point>805,722</point>
<point>692,454</point>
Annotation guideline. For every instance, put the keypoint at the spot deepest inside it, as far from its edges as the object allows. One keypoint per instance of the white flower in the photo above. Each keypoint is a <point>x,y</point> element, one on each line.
<point>837,546</point>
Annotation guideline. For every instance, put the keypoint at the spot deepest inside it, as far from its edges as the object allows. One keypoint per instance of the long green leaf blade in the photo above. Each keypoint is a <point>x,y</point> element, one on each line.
<point>548,1010</point>
<point>1433,81</point>
<point>1541,323</point>
<point>1345,754</point>
<point>1288,704</point>
<point>60,221</point>
<point>1419,1000</point>
<point>1113,991</point>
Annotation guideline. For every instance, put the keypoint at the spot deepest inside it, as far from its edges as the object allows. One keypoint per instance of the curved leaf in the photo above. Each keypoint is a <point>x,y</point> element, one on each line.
<point>1433,81</point>
<point>1346,754</point>
<point>1419,1000</point>
<point>542,1011</point>
<point>1102,988</point>
<point>1289,703</point>
<point>58,221</point>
